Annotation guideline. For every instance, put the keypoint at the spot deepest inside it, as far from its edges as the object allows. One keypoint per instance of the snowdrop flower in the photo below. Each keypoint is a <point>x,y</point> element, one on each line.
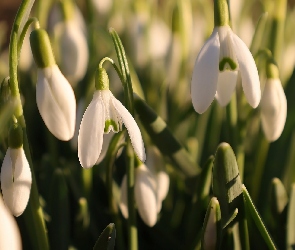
<point>9,232</point>
<point>218,63</point>
<point>145,195</point>
<point>55,97</point>
<point>104,114</point>
<point>273,109</point>
<point>155,164</point>
<point>73,52</point>
<point>16,176</point>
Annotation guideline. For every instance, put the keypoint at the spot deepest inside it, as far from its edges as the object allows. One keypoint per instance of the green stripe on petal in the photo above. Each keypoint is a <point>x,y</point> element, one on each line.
<point>109,124</point>
<point>227,64</point>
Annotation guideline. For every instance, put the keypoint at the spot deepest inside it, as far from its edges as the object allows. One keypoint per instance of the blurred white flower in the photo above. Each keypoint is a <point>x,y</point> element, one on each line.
<point>16,180</point>
<point>145,195</point>
<point>56,102</point>
<point>273,109</point>
<point>73,52</point>
<point>159,39</point>
<point>156,165</point>
<point>216,70</point>
<point>9,232</point>
<point>102,7</point>
<point>105,113</point>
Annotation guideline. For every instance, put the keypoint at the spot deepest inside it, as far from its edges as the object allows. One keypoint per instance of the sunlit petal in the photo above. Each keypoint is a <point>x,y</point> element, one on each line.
<point>249,73</point>
<point>16,180</point>
<point>9,232</point>
<point>163,182</point>
<point>273,109</point>
<point>56,102</point>
<point>205,74</point>
<point>74,52</point>
<point>132,128</point>
<point>90,136</point>
<point>225,86</point>
<point>106,142</point>
<point>145,195</point>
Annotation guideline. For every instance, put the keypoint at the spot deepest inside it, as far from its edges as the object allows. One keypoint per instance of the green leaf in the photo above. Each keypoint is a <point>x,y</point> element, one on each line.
<point>291,220</point>
<point>257,219</point>
<point>106,240</point>
<point>227,186</point>
<point>59,226</point>
<point>164,139</point>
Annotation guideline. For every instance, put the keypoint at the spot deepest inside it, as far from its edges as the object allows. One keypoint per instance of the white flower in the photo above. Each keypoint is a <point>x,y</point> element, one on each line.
<point>273,109</point>
<point>74,52</point>
<point>105,113</point>
<point>9,232</point>
<point>216,70</point>
<point>145,195</point>
<point>56,102</point>
<point>16,180</point>
<point>155,164</point>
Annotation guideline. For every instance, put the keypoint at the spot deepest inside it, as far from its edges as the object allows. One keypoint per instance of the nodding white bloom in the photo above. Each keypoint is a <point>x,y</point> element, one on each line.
<point>56,102</point>
<point>55,97</point>
<point>218,63</point>
<point>16,180</point>
<point>156,165</point>
<point>73,52</point>
<point>273,109</point>
<point>145,195</point>
<point>9,232</point>
<point>102,7</point>
<point>104,114</point>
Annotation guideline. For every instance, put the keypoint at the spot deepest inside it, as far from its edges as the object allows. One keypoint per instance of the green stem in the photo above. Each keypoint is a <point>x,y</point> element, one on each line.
<point>24,32</point>
<point>132,228</point>
<point>13,53</point>
<point>221,13</point>
<point>115,145</point>
<point>33,215</point>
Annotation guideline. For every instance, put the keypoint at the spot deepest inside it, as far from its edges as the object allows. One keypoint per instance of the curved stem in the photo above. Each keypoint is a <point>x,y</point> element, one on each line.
<point>33,215</point>
<point>24,32</point>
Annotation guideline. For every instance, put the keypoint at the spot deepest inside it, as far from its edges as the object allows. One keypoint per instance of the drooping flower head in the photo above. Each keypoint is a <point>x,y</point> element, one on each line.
<point>144,193</point>
<point>16,176</point>
<point>218,63</point>
<point>104,114</point>
<point>55,97</point>
<point>273,105</point>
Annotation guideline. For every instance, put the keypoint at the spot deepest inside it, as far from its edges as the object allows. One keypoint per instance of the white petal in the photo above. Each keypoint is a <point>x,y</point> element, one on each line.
<point>205,74</point>
<point>74,52</point>
<point>106,142</point>
<point>16,186</point>
<point>132,128</point>
<point>56,102</point>
<point>90,136</point>
<point>9,232</point>
<point>163,182</point>
<point>249,73</point>
<point>273,109</point>
<point>124,198</point>
<point>145,195</point>
<point>226,85</point>
<point>79,116</point>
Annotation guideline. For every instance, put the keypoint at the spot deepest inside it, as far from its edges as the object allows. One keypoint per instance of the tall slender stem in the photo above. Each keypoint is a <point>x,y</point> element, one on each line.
<point>33,215</point>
